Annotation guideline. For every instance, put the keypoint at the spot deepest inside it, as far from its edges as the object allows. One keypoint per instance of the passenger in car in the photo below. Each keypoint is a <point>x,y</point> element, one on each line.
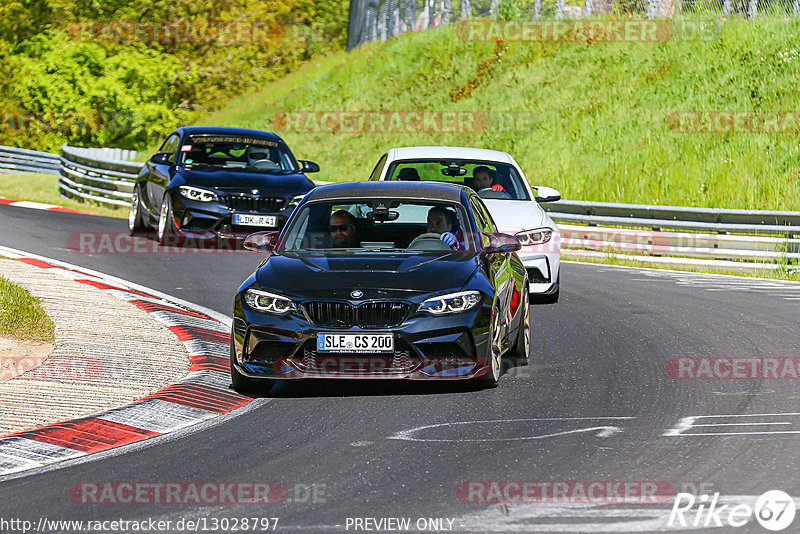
<point>409,174</point>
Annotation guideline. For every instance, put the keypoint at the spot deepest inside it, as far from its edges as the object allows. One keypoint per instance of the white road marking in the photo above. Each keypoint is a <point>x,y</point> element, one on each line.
<point>602,431</point>
<point>686,424</point>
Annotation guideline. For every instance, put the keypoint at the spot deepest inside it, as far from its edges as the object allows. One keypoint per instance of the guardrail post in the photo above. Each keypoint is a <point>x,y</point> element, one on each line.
<point>466,10</point>
<point>445,6</point>
<point>752,8</point>
<point>371,16</point>
<point>560,8</point>
<point>726,7</point>
<point>795,7</point>
<point>652,8</point>
<point>391,19</point>
<point>537,9</point>
<point>587,8</point>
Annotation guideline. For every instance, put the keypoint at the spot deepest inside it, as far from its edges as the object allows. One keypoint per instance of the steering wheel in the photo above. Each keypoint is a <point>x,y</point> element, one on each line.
<point>488,192</point>
<point>428,241</point>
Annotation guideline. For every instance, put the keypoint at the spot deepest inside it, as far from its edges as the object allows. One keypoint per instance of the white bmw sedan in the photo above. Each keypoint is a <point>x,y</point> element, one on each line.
<point>500,182</point>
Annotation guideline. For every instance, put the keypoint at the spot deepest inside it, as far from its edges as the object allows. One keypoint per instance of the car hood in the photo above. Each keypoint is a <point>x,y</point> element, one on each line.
<point>512,216</point>
<point>244,182</point>
<point>378,275</point>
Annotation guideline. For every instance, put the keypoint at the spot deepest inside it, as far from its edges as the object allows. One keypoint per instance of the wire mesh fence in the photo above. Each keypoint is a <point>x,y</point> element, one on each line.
<point>373,20</point>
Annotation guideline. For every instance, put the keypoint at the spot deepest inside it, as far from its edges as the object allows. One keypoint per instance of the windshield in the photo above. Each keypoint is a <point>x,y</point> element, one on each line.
<point>387,225</point>
<point>249,154</point>
<point>489,179</point>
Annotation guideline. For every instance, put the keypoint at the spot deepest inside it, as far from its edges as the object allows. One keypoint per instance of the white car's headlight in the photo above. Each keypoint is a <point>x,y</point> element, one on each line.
<point>539,236</point>
<point>264,301</point>
<point>195,193</point>
<point>452,303</point>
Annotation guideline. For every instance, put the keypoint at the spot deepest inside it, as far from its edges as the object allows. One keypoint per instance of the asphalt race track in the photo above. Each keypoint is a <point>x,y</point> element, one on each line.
<point>596,404</point>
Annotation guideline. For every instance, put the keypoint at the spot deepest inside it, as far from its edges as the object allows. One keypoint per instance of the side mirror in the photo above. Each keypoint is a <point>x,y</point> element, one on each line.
<point>262,242</point>
<point>161,159</point>
<point>547,194</point>
<point>501,243</point>
<point>308,166</point>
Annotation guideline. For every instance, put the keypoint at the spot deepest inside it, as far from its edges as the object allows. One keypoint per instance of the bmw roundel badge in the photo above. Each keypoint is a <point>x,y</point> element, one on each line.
<point>357,294</point>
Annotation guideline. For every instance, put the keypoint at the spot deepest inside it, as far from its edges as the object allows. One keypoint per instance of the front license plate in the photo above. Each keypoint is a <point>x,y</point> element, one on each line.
<point>355,343</point>
<point>244,219</point>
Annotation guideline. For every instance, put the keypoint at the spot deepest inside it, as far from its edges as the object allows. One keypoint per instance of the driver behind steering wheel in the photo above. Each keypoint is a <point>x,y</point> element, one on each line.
<point>483,177</point>
<point>445,222</point>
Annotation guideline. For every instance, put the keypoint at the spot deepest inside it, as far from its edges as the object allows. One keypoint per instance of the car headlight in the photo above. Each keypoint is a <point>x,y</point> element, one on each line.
<point>264,301</point>
<point>539,236</point>
<point>452,303</point>
<point>195,193</point>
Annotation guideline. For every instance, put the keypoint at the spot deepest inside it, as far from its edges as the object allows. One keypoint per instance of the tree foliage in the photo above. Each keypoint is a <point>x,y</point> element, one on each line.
<point>124,72</point>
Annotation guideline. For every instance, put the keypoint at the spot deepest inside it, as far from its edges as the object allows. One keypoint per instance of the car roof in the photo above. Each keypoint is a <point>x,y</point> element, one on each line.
<point>224,130</point>
<point>393,189</point>
<point>448,152</point>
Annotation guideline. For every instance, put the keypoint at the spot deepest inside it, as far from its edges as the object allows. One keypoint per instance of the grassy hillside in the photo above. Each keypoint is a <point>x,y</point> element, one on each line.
<point>597,112</point>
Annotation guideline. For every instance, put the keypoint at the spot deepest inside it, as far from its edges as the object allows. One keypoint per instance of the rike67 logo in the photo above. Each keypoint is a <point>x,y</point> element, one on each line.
<point>774,510</point>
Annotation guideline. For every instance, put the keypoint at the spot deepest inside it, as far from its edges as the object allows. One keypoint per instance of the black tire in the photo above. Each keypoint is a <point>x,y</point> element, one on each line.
<point>522,346</point>
<point>135,223</point>
<point>244,384</point>
<point>166,226</point>
<point>495,353</point>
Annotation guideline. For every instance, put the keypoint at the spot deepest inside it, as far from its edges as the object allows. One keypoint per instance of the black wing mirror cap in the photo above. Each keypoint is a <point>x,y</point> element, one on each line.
<point>308,166</point>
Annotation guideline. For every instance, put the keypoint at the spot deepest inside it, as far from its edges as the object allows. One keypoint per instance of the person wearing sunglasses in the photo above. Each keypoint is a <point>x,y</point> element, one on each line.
<point>344,232</point>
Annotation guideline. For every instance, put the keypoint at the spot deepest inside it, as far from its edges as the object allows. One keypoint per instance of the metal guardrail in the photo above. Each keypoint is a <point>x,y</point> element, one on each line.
<point>735,239</point>
<point>20,159</point>
<point>98,174</point>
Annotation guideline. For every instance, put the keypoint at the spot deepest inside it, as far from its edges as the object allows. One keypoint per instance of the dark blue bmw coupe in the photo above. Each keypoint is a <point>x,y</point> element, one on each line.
<point>209,182</point>
<point>399,280</point>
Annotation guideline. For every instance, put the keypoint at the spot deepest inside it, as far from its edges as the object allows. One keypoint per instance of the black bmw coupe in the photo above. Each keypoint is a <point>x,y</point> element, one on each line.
<point>212,182</point>
<point>399,280</point>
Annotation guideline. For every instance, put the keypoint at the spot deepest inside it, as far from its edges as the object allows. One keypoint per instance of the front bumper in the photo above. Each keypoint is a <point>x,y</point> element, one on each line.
<point>425,348</point>
<point>542,271</point>
<point>212,220</point>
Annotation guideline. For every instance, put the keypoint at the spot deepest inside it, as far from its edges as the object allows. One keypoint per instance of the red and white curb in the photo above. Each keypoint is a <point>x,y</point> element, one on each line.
<point>201,395</point>
<point>41,206</point>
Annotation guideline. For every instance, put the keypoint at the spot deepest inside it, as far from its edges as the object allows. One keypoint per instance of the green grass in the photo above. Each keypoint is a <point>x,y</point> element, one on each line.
<point>41,187</point>
<point>599,111</point>
<point>21,315</point>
